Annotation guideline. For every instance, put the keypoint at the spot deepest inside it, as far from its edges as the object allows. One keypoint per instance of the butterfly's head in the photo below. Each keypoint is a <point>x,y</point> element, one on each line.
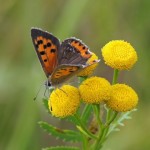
<point>48,84</point>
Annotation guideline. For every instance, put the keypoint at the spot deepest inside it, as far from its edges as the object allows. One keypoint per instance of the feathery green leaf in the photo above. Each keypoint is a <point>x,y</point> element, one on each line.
<point>66,135</point>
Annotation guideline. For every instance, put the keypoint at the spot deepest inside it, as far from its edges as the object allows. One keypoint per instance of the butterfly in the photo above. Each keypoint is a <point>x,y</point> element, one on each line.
<point>60,61</point>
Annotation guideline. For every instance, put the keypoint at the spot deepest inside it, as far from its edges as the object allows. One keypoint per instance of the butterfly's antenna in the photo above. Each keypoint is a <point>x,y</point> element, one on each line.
<point>37,92</point>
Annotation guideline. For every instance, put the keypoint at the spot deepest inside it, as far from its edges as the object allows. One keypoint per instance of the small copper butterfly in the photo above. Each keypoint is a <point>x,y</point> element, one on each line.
<point>60,61</point>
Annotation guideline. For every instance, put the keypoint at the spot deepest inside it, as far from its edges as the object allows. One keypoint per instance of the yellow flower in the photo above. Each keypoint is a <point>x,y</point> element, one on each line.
<point>65,101</point>
<point>123,98</point>
<point>119,55</point>
<point>95,90</point>
<point>92,62</point>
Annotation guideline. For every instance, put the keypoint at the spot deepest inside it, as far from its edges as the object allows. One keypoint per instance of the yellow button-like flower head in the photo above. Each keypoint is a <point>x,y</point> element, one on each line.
<point>95,90</point>
<point>119,55</point>
<point>93,62</point>
<point>65,101</point>
<point>123,98</point>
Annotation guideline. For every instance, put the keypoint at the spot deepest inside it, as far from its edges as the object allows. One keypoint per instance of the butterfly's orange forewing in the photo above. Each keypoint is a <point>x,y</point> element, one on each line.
<point>46,46</point>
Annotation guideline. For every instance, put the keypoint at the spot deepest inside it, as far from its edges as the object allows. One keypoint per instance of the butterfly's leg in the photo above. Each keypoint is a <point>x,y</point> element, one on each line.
<point>47,85</point>
<point>63,91</point>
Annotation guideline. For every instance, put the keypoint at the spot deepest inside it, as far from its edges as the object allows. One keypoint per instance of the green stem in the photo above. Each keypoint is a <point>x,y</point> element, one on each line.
<point>84,128</point>
<point>109,111</point>
<point>115,76</point>
<point>97,144</point>
<point>114,81</point>
<point>85,109</point>
<point>108,126</point>
<point>104,130</point>
<point>96,109</point>
<point>112,119</point>
<point>85,142</point>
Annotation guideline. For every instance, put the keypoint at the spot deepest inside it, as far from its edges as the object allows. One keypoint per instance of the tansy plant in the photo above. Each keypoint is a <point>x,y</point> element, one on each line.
<point>104,107</point>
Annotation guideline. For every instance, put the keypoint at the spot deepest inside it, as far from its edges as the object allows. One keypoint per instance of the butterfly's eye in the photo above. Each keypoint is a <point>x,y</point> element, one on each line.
<point>49,84</point>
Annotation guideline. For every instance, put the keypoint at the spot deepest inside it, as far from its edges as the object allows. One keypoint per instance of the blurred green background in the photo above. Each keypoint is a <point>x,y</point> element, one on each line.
<point>96,23</point>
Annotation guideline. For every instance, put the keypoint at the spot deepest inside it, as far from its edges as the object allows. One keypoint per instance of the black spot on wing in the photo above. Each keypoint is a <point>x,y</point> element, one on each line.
<point>40,42</point>
<point>80,44</point>
<point>53,50</point>
<point>64,69</point>
<point>57,75</point>
<point>87,52</point>
<point>83,47</point>
<point>49,44</point>
<point>42,52</point>
<point>44,46</point>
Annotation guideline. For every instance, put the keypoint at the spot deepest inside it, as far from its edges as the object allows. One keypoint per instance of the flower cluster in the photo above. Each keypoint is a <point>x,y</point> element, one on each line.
<point>119,55</point>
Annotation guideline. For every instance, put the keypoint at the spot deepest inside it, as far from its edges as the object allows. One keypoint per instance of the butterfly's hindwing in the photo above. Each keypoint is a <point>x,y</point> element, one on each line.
<point>47,47</point>
<point>64,72</point>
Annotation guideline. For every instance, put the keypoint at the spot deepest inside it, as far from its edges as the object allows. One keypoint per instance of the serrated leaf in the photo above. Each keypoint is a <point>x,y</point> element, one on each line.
<point>119,121</point>
<point>66,135</point>
<point>86,113</point>
<point>61,148</point>
<point>72,119</point>
<point>116,129</point>
<point>128,117</point>
<point>121,124</point>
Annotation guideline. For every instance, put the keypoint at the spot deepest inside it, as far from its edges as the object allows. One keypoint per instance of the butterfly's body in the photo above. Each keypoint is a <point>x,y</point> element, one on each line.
<point>60,61</point>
